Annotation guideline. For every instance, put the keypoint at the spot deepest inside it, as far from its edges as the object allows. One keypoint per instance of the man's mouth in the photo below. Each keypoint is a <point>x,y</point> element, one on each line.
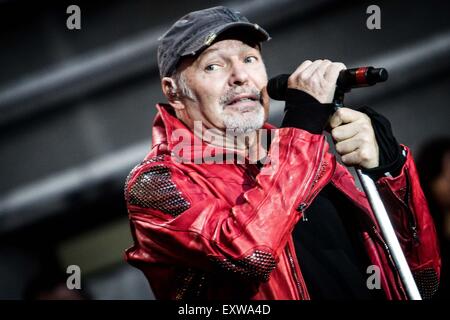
<point>244,102</point>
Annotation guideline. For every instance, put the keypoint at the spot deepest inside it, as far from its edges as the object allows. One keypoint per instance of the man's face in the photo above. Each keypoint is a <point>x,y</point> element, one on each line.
<point>226,82</point>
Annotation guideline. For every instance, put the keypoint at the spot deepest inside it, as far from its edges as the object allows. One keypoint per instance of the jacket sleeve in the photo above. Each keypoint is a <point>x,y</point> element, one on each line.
<point>176,220</point>
<point>410,216</point>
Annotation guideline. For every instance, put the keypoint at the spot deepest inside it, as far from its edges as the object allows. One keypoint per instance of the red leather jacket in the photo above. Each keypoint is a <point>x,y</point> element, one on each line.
<point>222,231</point>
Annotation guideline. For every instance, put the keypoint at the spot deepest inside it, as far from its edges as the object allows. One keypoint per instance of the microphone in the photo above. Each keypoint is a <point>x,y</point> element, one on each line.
<point>347,80</point>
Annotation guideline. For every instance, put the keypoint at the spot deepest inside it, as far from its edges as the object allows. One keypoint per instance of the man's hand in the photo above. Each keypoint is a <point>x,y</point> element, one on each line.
<point>356,142</point>
<point>352,130</point>
<point>317,78</point>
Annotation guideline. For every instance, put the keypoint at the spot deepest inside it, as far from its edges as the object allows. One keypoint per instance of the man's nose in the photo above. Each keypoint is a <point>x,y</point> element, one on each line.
<point>239,75</point>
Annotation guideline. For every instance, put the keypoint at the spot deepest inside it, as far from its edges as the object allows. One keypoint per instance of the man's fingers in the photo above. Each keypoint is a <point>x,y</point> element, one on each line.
<point>348,146</point>
<point>352,158</point>
<point>310,69</point>
<point>363,156</point>
<point>310,78</point>
<point>344,115</point>
<point>293,78</point>
<point>345,131</point>
<point>332,72</point>
<point>303,66</point>
<point>320,71</point>
<point>358,148</point>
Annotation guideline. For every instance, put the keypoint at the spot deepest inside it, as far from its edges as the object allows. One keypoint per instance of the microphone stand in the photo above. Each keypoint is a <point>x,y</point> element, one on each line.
<point>383,220</point>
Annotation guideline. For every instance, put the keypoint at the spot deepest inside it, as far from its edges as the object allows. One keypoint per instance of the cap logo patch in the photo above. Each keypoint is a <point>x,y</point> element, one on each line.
<point>210,38</point>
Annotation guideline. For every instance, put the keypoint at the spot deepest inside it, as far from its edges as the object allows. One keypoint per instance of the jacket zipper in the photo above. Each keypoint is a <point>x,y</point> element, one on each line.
<point>300,289</point>
<point>410,215</point>
<point>301,208</point>
<point>308,199</point>
<point>386,247</point>
<point>391,260</point>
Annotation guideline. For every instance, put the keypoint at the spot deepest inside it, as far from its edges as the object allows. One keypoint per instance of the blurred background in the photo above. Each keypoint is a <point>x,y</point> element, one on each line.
<point>76,111</point>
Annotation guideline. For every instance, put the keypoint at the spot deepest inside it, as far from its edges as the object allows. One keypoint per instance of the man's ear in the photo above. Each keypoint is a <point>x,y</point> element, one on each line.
<point>170,91</point>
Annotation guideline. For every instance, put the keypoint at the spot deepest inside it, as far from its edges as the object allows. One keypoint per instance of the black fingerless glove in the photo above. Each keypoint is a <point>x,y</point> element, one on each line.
<point>391,154</point>
<point>302,111</point>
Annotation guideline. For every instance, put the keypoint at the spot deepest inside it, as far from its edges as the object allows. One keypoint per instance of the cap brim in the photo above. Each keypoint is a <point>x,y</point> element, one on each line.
<point>247,30</point>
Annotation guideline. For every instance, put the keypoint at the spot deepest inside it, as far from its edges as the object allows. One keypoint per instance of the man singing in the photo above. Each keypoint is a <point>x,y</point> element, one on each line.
<point>283,219</point>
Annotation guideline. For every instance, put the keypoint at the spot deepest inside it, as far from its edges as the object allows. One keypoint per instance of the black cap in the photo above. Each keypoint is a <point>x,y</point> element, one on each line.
<point>197,30</point>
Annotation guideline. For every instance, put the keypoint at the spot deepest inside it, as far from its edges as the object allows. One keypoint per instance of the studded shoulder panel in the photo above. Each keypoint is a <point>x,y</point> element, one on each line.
<point>257,265</point>
<point>155,189</point>
<point>427,282</point>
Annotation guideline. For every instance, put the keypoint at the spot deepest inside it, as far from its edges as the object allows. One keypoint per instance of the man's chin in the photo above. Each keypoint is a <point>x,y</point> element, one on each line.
<point>244,122</point>
<point>239,131</point>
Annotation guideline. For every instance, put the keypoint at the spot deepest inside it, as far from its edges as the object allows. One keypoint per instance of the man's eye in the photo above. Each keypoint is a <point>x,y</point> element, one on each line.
<point>212,67</point>
<point>250,59</point>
